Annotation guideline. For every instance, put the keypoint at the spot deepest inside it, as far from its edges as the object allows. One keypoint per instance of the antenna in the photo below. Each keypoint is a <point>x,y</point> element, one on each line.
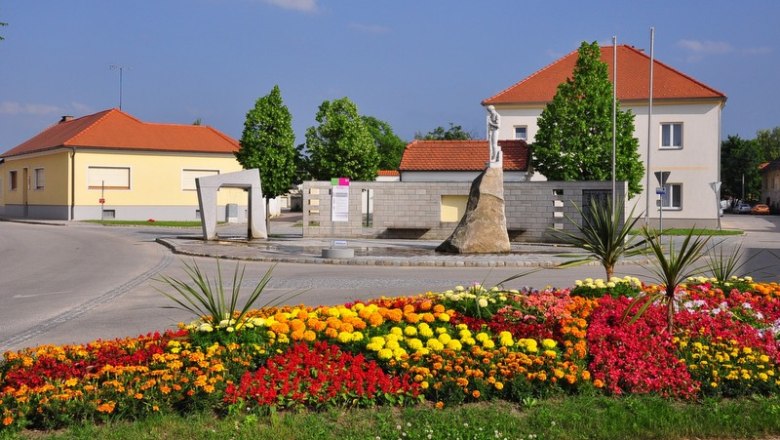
<point>121,70</point>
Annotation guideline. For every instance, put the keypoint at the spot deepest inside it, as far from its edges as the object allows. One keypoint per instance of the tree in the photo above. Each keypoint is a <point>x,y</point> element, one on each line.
<point>389,146</point>
<point>769,143</point>
<point>454,133</point>
<point>341,145</point>
<point>574,140</point>
<point>268,143</point>
<point>739,159</point>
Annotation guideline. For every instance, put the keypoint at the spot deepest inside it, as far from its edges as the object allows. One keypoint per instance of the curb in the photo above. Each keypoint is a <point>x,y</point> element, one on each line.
<point>443,261</point>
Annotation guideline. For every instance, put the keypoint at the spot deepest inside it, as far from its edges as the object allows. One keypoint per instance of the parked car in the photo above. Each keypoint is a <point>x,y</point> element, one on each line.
<point>760,209</point>
<point>742,208</point>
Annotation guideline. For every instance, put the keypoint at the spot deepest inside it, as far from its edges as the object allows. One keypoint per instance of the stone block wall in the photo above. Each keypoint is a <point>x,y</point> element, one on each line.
<point>413,209</point>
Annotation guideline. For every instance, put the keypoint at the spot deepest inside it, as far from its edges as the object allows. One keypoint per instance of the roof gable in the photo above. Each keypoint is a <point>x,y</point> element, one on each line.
<point>633,80</point>
<point>116,130</point>
<point>470,155</point>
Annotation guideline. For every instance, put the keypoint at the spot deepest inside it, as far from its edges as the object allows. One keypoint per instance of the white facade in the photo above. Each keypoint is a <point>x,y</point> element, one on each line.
<point>693,166</point>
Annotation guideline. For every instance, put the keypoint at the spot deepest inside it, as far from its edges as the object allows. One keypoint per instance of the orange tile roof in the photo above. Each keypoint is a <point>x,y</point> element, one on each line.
<point>633,80</point>
<point>471,155</point>
<point>388,173</point>
<point>116,130</point>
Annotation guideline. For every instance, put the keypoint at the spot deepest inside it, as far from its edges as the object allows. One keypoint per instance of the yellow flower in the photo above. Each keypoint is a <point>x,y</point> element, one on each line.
<point>385,353</point>
<point>499,386</point>
<point>549,343</point>
<point>444,317</point>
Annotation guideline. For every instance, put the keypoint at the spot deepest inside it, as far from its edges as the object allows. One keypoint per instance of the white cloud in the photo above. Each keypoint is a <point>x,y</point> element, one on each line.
<point>369,28</point>
<point>297,5</point>
<point>16,108</point>
<point>705,47</point>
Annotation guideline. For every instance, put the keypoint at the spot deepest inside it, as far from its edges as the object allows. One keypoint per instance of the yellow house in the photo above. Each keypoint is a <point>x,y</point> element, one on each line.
<point>111,165</point>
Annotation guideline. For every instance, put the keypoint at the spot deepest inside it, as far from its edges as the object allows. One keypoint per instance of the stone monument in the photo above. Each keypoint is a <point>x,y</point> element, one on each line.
<point>248,180</point>
<point>482,230</point>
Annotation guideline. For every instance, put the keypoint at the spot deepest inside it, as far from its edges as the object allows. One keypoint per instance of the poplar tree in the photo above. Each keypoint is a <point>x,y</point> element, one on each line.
<point>268,144</point>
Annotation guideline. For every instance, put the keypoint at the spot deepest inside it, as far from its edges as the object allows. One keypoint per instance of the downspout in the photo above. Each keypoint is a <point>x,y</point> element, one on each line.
<point>72,183</point>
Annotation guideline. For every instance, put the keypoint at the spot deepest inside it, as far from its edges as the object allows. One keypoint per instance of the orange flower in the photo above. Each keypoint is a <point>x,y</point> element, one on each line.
<point>475,394</point>
<point>598,383</point>
<point>7,420</point>
<point>439,405</point>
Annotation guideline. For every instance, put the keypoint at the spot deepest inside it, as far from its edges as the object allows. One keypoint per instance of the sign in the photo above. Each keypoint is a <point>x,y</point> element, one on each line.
<point>662,177</point>
<point>661,191</point>
<point>339,200</point>
<point>102,200</point>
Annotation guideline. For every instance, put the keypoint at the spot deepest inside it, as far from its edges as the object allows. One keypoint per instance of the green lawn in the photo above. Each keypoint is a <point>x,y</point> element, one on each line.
<point>578,417</point>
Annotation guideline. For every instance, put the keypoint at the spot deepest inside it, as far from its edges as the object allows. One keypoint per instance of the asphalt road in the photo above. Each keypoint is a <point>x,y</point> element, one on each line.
<point>77,283</point>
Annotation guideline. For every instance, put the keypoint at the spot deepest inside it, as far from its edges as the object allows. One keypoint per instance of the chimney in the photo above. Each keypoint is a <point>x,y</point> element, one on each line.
<point>66,118</point>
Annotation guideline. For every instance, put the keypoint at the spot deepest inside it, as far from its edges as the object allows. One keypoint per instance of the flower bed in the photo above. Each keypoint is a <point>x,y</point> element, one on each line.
<point>444,348</point>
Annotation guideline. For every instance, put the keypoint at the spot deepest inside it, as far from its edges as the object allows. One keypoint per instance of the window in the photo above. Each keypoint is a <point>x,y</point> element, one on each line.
<point>188,177</point>
<point>673,197</point>
<point>39,178</point>
<point>671,135</point>
<point>12,178</point>
<point>108,177</point>
<point>521,132</point>
<point>453,207</point>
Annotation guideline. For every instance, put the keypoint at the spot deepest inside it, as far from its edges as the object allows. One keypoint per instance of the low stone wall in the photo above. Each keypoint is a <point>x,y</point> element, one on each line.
<point>414,209</point>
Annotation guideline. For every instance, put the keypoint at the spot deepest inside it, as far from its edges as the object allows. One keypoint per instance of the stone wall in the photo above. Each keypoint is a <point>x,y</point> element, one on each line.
<point>413,209</point>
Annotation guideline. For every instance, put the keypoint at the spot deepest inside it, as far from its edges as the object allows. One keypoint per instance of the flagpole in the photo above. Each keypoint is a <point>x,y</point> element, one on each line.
<point>649,130</point>
<point>614,118</point>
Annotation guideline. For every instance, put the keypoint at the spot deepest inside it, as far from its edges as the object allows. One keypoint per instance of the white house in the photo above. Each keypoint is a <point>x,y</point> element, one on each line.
<point>685,128</point>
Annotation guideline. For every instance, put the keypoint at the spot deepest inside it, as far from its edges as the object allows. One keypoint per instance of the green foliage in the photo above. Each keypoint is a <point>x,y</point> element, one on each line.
<point>268,143</point>
<point>573,417</point>
<point>389,146</point>
<point>574,141</point>
<point>603,235</point>
<point>454,133</point>
<point>741,157</point>
<point>670,271</point>
<point>769,143</point>
<point>341,145</point>
<point>206,298</point>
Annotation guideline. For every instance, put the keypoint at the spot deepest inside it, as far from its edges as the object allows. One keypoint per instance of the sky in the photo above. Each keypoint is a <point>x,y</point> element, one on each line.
<point>414,64</point>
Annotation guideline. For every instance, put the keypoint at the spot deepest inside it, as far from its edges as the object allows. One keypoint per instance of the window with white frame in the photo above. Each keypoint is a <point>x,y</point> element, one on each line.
<point>521,132</point>
<point>13,180</point>
<point>671,135</point>
<point>188,177</point>
<point>672,199</point>
<point>39,178</point>
<point>108,177</point>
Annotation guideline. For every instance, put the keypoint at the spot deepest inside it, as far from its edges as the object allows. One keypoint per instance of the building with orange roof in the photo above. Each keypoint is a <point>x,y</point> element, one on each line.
<point>111,165</point>
<point>685,128</point>
<point>460,160</point>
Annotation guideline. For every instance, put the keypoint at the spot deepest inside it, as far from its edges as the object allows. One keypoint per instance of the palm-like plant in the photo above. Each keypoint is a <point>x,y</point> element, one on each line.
<point>669,271</point>
<point>206,298</point>
<point>603,235</point>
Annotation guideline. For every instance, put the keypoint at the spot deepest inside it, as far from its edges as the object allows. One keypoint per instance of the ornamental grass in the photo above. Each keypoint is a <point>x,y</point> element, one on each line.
<point>439,349</point>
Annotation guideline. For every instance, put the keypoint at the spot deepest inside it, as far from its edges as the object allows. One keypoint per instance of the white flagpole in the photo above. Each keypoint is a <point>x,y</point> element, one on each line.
<point>649,130</point>
<point>614,118</point>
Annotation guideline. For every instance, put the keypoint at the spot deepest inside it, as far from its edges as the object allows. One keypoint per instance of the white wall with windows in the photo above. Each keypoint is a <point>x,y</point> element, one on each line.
<point>685,140</point>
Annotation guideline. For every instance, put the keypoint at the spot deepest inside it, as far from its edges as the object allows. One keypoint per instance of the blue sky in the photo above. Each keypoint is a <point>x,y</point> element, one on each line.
<point>414,64</point>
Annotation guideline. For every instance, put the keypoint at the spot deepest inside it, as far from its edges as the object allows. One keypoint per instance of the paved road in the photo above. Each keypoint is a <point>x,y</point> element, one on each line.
<point>76,283</point>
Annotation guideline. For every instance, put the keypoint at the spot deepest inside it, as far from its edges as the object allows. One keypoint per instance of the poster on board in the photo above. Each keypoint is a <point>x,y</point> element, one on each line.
<point>340,200</point>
